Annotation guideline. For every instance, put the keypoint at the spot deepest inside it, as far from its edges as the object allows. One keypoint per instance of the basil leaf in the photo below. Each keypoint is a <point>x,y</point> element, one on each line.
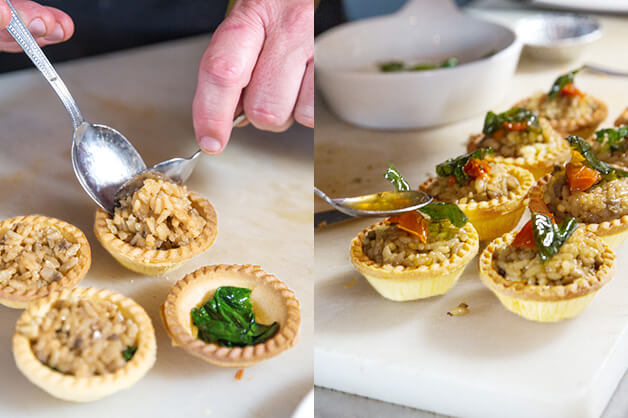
<point>394,176</point>
<point>612,139</point>
<point>494,122</point>
<point>455,166</point>
<point>583,148</point>
<point>449,62</point>
<point>129,352</point>
<point>561,82</point>
<point>228,319</point>
<point>440,211</point>
<point>392,66</point>
<point>548,236</point>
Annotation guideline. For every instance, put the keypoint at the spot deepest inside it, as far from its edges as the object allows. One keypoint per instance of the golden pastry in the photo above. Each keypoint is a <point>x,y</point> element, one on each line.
<point>547,272</point>
<point>271,301</point>
<point>492,195</point>
<point>569,111</point>
<point>519,138</point>
<point>157,228</point>
<point>39,255</point>
<point>84,344</point>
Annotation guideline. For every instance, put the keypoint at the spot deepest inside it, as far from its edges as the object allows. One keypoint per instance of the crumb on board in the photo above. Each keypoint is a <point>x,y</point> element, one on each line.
<point>461,309</point>
<point>369,167</point>
<point>351,283</point>
<point>356,180</point>
<point>239,374</point>
<point>250,378</point>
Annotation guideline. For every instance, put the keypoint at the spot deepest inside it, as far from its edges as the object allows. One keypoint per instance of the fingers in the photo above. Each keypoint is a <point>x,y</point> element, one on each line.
<point>271,96</point>
<point>47,24</point>
<point>225,69</point>
<point>304,110</point>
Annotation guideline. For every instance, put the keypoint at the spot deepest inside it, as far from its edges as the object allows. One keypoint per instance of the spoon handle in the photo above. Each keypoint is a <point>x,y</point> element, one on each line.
<point>23,37</point>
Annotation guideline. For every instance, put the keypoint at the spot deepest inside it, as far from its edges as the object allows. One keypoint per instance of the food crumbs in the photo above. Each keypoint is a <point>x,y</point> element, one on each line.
<point>459,310</point>
<point>208,412</point>
<point>351,283</point>
<point>250,378</point>
<point>239,374</point>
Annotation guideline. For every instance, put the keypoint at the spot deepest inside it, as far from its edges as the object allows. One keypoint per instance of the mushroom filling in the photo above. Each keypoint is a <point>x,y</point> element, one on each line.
<point>82,338</point>
<point>562,107</point>
<point>157,216</point>
<point>493,185</point>
<point>580,257</point>
<point>33,256</point>
<point>389,246</point>
<point>605,201</point>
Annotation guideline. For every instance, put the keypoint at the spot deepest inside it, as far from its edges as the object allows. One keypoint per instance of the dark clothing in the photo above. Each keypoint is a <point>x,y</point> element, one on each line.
<point>108,25</point>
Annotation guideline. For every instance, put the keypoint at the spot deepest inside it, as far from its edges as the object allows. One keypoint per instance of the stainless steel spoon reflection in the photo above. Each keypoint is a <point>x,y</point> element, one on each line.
<point>379,204</point>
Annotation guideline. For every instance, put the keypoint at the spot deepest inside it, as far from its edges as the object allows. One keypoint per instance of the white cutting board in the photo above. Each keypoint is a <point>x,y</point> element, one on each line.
<point>489,363</point>
<point>260,187</point>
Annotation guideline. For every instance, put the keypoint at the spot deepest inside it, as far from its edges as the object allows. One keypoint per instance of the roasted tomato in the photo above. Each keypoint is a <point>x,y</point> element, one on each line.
<point>411,222</point>
<point>525,237</point>
<point>580,177</point>
<point>476,168</point>
<point>571,90</point>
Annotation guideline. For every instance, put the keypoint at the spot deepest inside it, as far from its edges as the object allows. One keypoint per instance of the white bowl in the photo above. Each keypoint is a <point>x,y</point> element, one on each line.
<point>557,37</point>
<point>346,60</point>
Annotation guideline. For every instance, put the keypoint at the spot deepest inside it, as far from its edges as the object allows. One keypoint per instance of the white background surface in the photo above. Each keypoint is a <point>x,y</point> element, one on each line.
<point>260,187</point>
<point>412,352</point>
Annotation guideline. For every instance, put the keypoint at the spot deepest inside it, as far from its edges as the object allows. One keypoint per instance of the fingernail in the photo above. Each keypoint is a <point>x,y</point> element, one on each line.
<point>209,144</point>
<point>37,27</point>
<point>56,35</point>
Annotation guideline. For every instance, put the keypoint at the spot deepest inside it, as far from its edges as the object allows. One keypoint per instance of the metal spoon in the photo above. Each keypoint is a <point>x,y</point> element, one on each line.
<point>103,159</point>
<point>180,169</point>
<point>379,204</point>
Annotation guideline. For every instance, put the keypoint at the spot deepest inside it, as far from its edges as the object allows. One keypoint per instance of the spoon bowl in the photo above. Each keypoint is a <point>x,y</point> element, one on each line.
<point>379,204</point>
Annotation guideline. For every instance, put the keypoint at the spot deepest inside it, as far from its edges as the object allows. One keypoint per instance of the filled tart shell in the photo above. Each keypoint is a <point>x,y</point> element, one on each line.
<point>272,300</point>
<point>21,297</point>
<point>400,283</point>
<point>156,262</point>
<point>492,218</point>
<point>85,389</point>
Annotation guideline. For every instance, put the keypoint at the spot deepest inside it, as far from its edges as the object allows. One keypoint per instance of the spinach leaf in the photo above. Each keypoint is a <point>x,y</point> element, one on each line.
<point>394,176</point>
<point>440,211</point>
<point>613,139</point>
<point>561,82</point>
<point>455,166</point>
<point>548,236</point>
<point>228,319</point>
<point>392,66</point>
<point>129,352</point>
<point>398,66</point>
<point>494,122</point>
<point>583,148</point>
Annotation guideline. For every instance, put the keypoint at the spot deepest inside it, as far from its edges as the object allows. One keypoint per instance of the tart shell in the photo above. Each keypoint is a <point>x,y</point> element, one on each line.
<point>543,303</point>
<point>613,233</point>
<point>493,218</point>
<point>272,301</point>
<point>539,165</point>
<point>410,283</point>
<point>22,298</point>
<point>157,262</point>
<point>583,127</point>
<point>86,389</point>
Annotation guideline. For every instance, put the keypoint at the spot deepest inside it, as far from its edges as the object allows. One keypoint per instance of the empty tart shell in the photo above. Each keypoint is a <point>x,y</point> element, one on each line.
<point>613,233</point>
<point>156,262</point>
<point>91,388</point>
<point>272,300</point>
<point>583,126</point>
<point>21,297</point>
<point>492,218</point>
<point>401,283</point>
<point>541,162</point>
<point>543,303</point>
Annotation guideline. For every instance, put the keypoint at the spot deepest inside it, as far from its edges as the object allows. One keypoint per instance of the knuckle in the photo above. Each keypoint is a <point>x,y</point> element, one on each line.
<point>267,116</point>
<point>223,71</point>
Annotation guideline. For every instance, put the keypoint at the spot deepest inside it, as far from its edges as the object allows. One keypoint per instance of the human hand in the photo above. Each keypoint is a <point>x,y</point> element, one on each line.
<point>261,61</point>
<point>47,24</point>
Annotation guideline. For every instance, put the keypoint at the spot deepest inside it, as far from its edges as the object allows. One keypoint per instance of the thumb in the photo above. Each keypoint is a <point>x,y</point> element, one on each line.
<point>5,14</point>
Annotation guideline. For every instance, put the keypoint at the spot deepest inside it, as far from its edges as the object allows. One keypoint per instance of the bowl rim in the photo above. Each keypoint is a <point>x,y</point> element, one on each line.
<point>515,44</point>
